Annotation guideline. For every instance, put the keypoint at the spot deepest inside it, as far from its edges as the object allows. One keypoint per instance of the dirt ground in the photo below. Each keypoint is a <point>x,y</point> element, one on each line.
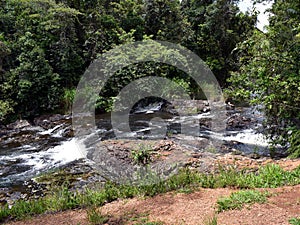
<point>193,208</point>
<point>199,207</point>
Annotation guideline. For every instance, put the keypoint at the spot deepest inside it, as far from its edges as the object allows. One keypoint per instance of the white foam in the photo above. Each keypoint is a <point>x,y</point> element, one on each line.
<point>50,131</point>
<point>248,136</point>
<point>68,151</point>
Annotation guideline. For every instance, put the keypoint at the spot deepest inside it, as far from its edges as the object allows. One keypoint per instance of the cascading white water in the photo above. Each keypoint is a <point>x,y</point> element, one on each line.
<point>49,149</point>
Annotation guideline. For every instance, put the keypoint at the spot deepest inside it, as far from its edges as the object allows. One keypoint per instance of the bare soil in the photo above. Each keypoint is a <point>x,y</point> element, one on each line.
<point>179,208</point>
<point>192,208</point>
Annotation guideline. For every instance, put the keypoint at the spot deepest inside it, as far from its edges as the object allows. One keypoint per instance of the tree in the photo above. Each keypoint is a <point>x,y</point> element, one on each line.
<point>218,27</point>
<point>101,33</point>
<point>6,103</point>
<point>164,21</point>
<point>42,38</point>
<point>34,77</point>
<point>4,51</point>
<point>62,48</point>
<point>270,74</point>
<point>52,42</point>
<point>129,15</point>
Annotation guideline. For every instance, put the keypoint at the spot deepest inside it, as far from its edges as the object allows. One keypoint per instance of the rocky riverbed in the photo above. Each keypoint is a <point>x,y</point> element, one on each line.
<point>37,155</point>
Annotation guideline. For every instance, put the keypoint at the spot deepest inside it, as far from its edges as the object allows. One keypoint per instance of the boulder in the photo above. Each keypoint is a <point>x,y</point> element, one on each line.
<point>48,121</point>
<point>19,124</point>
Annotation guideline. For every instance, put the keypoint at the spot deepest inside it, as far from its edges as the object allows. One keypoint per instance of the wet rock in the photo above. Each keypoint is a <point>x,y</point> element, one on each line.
<point>236,152</point>
<point>3,195</point>
<point>34,190</point>
<point>77,175</point>
<point>49,121</point>
<point>190,107</point>
<point>205,123</point>
<point>3,131</point>
<point>176,107</point>
<point>16,138</point>
<point>164,145</point>
<point>169,108</point>
<point>230,106</point>
<point>19,124</point>
<point>28,190</point>
<point>68,132</point>
<point>147,106</point>
<point>237,121</point>
<point>119,160</point>
<point>254,156</point>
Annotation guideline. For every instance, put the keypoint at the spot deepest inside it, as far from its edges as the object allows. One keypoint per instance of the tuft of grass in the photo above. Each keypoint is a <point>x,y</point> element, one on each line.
<point>147,222</point>
<point>63,199</point>
<point>67,98</point>
<point>24,209</point>
<point>295,221</point>
<point>142,219</point>
<point>238,199</point>
<point>142,155</point>
<point>270,176</point>
<point>150,223</point>
<point>96,217</point>
<point>185,181</point>
<point>211,221</point>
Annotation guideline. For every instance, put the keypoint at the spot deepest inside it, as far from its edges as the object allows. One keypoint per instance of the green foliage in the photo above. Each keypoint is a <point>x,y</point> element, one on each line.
<point>6,101</point>
<point>35,78</point>
<point>145,68</point>
<point>240,198</point>
<point>218,26</point>
<point>63,198</point>
<point>67,99</point>
<point>32,30</point>
<point>181,82</point>
<point>142,155</point>
<point>269,74</point>
<point>211,221</point>
<point>5,109</point>
<point>129,15</point>
<point>164,21</point>
<point>46,45</point>
<point>294,221</point>
<point>24,209</point>
<point>269,176</point>
<point>105,103</point>
<point>96,217</point>
<point>294,140</point>
<point>4,51</point>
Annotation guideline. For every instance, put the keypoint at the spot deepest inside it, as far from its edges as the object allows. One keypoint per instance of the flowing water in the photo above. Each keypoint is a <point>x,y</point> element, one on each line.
<point>31,150</point>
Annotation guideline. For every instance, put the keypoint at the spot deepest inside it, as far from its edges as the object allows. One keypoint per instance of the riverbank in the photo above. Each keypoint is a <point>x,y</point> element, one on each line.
<point>58,180</point>
<point>188,198</point>
<point>190,203</point>
<point>173,208</point>
<point>46,146</point>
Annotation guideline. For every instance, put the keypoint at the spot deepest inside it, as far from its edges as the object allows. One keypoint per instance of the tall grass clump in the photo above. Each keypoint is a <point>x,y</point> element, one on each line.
<point>211,221</point>
<point>68,98</point>
<point>63,198</point>
<point>238,199</point>
<point>295,221</point>
<point>269,176</point>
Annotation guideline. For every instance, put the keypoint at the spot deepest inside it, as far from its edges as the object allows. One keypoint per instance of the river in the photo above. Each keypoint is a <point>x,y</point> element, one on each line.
<point>29,149</point>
